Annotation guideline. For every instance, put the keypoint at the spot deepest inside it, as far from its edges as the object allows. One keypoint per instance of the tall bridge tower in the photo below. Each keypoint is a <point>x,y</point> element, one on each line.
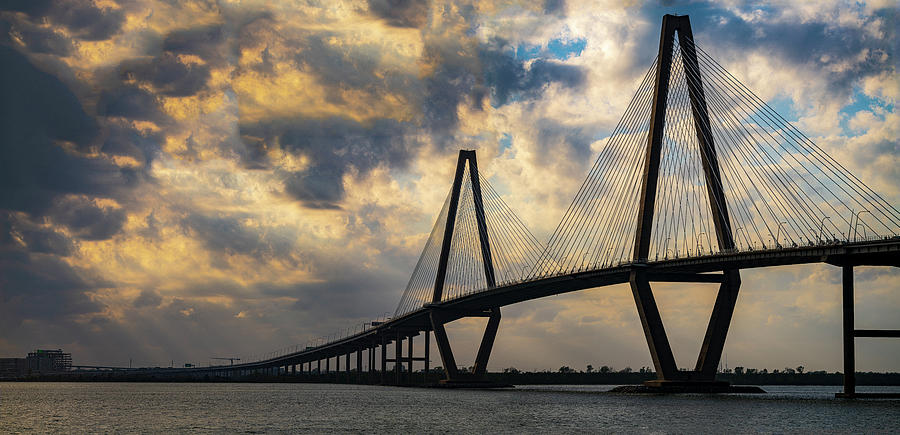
<point>714,340</point>
<point>440,317</point>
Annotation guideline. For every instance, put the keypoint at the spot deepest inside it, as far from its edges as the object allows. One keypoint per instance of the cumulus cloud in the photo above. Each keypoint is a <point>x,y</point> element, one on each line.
<point>167,74</point>
<point>332,147</point>
<point>40,118</point>
<point>81,18</point>
<point>401,13</point>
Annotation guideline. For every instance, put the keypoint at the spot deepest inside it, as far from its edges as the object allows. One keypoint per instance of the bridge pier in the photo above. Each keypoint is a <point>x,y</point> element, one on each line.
<point>398,357</point>
<point>359,366</point>
<point>427,356</point>
<point>409,360</point>
<point>703,377</point>
<point>719,322</point>
<point>849,326</point>
<point>371,357</point>
<point>850,333</point>
<point>451,371</point>
<point>383,374</point>
<point>654,331</point>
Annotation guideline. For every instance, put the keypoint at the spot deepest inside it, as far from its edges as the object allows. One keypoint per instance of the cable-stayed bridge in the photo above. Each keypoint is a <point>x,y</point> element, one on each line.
<point>699,180</point>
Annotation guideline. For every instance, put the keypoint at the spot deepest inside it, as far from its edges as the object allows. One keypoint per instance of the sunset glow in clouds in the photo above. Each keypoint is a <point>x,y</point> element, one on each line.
<point>186,179</point>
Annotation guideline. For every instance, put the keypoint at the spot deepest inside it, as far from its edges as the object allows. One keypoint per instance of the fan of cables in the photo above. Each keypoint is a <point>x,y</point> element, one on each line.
<point>505,240</point>
<point>780,189</point>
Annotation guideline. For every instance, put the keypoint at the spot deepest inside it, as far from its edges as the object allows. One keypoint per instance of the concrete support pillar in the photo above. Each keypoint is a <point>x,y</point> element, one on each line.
<point>409,358</point>
<point>487,342</point>
<point>398,358</point>
<point>660,351</point>
<point>443,345</point>
<point>427,351</point>
<point>383,358</point>
<point>717,330</point>
<point>849,326</point>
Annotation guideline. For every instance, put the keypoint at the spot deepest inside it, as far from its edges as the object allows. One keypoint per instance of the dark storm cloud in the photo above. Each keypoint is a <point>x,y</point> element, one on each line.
<point>333,146</point>
<point>86,220</point>
<point>40,287</point>
<point>451,85</point>
<point>227,234</point>
<point>37,238</point>
<point>829,46</point>
<point>47,242</point>
<point>205,42</point>
<point>361,293</point>
<point>816,43</point>
<point>551,133</point>
<point>508,77</point>
<point>37,39</point>
<point>147,298</point>
<point>125,141</point>
<point>401,13</point>
<point>336,145</point>
<point>317,187</point>
<point>336,68</point>
<point>466,79</point>
<point>348,68</point>
<point>557,7</point>
<point>81,18</point>
<point>130,102</point>
<point>167,74</point>
<point>456,80</point>
<point>37,114</point>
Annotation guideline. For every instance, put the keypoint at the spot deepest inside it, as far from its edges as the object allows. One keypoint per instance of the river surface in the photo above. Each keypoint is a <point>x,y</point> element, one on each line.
<point>321,408</point>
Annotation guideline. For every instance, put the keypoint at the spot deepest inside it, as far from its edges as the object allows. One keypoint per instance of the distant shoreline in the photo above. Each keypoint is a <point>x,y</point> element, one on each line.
<point>520,378</point>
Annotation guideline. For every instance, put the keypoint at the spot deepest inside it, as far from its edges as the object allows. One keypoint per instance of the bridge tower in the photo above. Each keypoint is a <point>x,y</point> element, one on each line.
<point>730,281</point>
<point>439,317</point>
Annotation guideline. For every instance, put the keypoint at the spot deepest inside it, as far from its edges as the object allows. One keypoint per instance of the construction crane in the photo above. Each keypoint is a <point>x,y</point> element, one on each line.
<point>232,360</point>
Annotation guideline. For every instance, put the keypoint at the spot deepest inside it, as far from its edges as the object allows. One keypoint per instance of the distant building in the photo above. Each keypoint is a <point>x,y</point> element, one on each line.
<point>11,368</point>
<point>49,361</point>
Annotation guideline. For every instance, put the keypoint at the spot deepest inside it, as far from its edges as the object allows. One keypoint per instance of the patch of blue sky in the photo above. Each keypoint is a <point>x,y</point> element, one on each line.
<point>862,102</point>
<point>557,48</point>
<point>784,106</point>
<point>527,52</point>
<point>505,142</point>
<point>563,49</point>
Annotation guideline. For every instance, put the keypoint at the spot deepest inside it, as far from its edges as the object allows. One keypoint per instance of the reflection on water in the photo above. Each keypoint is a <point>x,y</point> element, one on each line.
<point>254,408</point>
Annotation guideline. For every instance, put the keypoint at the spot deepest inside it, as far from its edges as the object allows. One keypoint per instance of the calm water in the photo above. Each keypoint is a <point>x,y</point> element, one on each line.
<point>258,408</point>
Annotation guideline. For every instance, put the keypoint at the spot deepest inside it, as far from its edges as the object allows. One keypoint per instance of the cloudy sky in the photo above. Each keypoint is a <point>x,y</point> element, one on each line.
<point>187,179</point>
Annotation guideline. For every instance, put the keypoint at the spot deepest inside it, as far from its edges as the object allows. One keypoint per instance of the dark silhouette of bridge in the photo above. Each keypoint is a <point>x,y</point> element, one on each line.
<point>699,180</point>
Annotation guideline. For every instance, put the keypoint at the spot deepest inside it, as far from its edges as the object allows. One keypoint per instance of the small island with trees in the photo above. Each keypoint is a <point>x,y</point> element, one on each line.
<point>738,376</point>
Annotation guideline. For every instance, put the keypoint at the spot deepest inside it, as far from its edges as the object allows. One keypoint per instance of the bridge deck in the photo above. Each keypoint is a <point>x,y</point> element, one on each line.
<point>884,252</point>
